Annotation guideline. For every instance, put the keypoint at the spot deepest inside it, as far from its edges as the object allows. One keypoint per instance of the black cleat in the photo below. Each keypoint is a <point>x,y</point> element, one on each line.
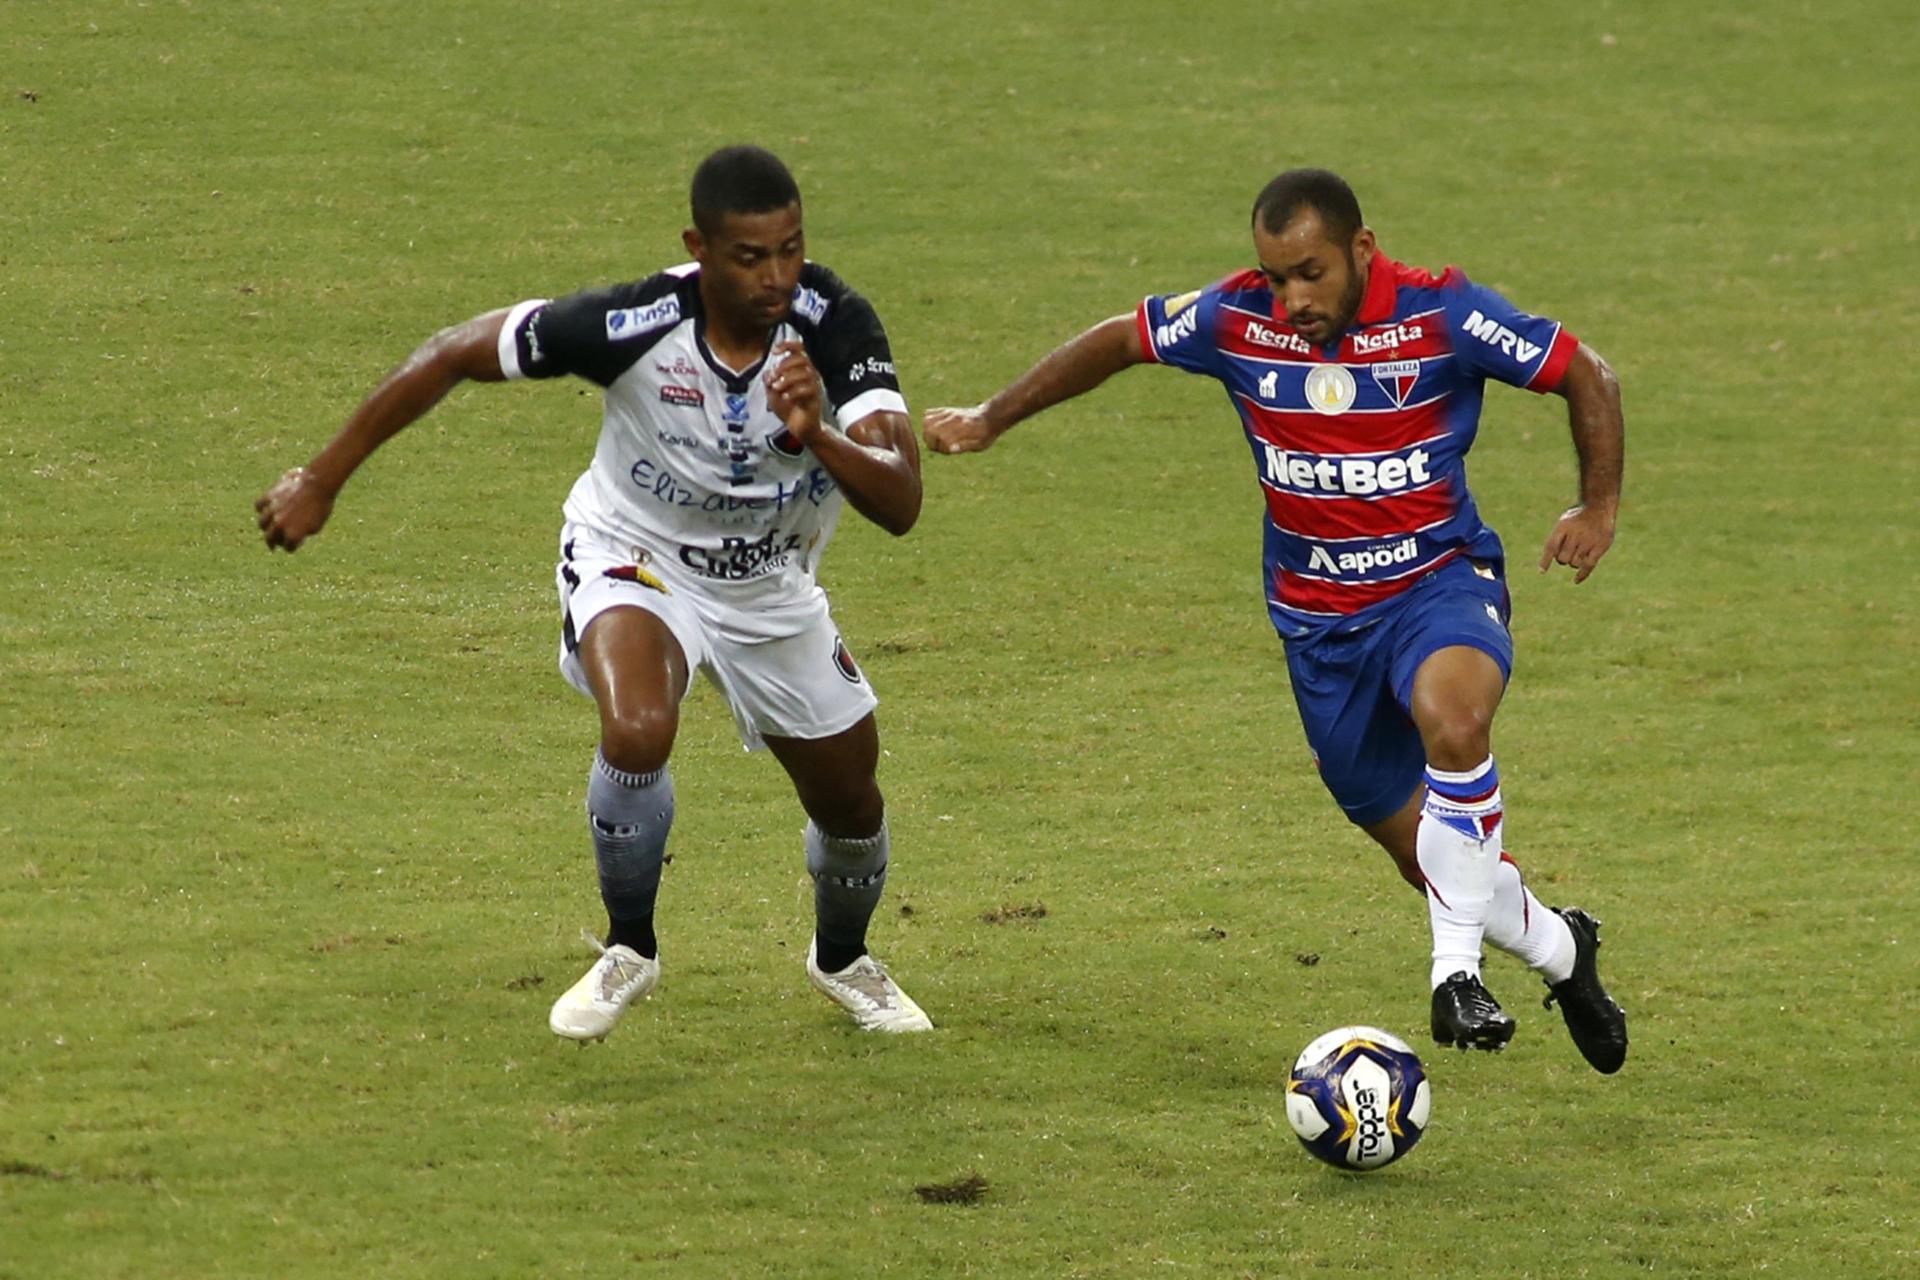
<point>1598,1025</point>
<point>1466,1016</point>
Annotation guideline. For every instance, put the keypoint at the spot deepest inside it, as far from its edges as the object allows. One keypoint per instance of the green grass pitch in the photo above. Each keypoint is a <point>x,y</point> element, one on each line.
<point>291,854</point>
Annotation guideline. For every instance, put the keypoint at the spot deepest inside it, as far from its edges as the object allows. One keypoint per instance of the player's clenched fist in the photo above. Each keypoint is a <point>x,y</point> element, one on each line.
<point>294,509</point>
<point>794,391</point>
<point>958,430</point>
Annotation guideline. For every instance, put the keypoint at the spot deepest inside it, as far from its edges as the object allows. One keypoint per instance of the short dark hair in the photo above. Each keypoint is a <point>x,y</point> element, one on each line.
<point>740,180</point>
<point>1324,192</point>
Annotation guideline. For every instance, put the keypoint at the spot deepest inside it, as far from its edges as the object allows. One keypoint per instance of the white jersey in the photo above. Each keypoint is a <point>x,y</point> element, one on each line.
<point>693,470</point>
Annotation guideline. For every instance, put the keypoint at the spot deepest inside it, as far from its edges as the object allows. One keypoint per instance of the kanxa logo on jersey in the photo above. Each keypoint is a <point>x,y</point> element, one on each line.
<point>631,322</point>
<point>1495,334</point>
<point>1360,477</point>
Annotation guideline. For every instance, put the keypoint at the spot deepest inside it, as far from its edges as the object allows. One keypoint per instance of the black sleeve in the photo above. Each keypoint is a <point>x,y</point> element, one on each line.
<point>848,344</point>
<point>597,334</point>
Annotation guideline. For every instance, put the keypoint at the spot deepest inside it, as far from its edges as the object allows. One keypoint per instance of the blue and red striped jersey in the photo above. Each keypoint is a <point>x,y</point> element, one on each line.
<point>1360,446</point>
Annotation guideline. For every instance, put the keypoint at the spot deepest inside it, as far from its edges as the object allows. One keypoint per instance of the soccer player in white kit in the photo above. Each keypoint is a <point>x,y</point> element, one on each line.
<point>746,394</point>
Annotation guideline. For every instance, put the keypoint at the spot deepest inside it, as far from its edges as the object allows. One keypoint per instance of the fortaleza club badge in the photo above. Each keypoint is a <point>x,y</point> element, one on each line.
<point>1396,378</point>
<point>1330,389</point>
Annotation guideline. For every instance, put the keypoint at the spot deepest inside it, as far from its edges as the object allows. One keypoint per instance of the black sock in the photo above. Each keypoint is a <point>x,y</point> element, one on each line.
<point>637,934</point>
<point>833,957</point>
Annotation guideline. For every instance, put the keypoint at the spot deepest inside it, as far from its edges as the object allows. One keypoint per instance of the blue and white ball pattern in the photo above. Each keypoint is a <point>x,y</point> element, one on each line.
<point>1358,1098</point>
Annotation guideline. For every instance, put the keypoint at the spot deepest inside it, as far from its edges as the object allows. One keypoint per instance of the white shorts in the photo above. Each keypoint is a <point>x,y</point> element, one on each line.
<point>783,668</point>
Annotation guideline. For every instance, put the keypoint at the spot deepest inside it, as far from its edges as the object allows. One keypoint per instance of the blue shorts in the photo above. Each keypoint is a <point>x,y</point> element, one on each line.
<point>1355,690</point>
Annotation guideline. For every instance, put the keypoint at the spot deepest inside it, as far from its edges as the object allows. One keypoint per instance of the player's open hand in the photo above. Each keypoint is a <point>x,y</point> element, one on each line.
<point>1579,538</point>
<point>294,509</point>
<point>794,391</point>
<point>958,430</point>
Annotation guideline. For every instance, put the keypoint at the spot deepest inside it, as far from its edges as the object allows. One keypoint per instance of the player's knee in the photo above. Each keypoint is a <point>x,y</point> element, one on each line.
<point>852,813</point>
<point>639,739</point>
<point>1457,738</point>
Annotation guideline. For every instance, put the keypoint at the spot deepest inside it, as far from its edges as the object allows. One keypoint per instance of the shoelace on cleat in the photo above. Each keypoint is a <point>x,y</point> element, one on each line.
<point>870,980</point>
<point>616,973</point>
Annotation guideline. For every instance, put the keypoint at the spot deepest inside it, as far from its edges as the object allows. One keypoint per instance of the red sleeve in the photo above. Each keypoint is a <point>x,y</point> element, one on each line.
<point>1146,332</point>
<point>1554,367</point>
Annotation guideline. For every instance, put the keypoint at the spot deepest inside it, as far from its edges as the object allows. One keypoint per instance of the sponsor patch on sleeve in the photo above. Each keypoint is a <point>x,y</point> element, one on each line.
<point>631,322</point>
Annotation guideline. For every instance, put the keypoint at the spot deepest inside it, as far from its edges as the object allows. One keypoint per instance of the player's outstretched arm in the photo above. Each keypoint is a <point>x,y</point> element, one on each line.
<point>298,504</point>
<point>1583,533</point>
<point>1076,368</point>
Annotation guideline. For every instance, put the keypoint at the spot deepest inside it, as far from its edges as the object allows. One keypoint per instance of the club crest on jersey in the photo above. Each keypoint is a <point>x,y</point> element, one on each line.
<point>1396,378</point>
<point>843,662</point>
<point>1330,389</point>
<point>735,413</point>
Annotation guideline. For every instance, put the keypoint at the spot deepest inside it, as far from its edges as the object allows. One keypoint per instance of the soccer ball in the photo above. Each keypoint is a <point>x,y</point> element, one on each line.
<point>1358,1098</point>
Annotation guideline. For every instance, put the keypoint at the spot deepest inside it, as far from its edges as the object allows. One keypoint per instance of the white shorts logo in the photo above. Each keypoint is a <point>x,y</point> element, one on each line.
<point>1330,389</point>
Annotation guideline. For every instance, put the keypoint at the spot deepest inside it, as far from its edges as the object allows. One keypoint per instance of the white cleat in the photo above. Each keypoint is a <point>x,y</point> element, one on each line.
<point>864,990</point>
<point>592,1005</point>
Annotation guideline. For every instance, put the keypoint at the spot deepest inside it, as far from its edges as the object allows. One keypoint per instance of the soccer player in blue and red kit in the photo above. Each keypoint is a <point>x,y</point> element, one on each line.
<point>1358,382</point>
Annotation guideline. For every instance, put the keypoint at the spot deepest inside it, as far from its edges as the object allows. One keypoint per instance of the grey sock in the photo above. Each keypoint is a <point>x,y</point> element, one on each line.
<point>848,877</point>
<point>630,815</point>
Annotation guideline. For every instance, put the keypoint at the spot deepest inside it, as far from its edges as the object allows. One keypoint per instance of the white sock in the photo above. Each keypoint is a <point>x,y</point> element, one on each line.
<point>1521,927</point>
<point>1458,846</point>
